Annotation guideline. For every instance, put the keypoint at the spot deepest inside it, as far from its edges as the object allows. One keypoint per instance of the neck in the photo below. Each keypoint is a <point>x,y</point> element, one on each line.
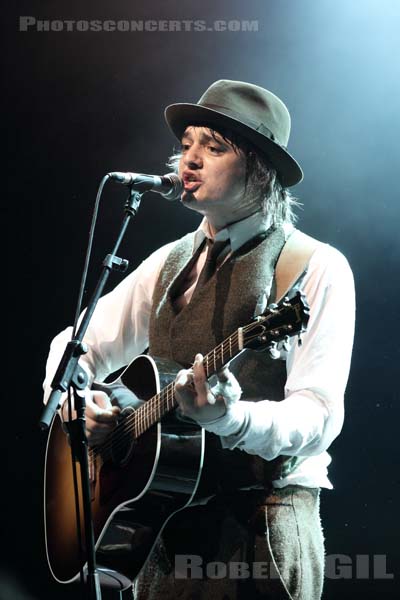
<point>215,223</point>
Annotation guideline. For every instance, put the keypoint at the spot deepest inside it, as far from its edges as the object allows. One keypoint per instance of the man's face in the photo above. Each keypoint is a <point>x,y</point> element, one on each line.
<point>214,175</point>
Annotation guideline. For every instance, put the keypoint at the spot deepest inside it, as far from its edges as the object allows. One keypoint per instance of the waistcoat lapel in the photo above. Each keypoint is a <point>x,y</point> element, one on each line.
<point>227,301</point>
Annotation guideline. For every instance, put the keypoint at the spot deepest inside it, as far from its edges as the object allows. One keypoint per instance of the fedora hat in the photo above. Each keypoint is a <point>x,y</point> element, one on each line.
<point>249,110</point>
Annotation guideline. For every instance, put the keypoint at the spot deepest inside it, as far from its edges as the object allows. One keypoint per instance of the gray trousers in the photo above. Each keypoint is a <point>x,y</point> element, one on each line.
<point>242,546</point>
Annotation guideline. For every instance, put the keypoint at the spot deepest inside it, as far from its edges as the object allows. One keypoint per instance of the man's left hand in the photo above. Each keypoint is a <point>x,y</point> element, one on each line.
<point>195,396</point>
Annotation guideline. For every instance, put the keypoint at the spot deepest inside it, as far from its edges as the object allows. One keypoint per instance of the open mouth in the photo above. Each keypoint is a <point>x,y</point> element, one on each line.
<point>190,182</point>
<point>191,186</point>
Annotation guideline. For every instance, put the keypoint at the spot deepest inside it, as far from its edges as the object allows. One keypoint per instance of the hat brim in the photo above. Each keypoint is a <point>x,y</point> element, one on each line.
<point>179,116</point>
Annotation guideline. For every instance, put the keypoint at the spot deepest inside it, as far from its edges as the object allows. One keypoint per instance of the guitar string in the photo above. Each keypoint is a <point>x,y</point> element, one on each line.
<point>147,411</point>
<point>214,356</point>
<point>147,415</point>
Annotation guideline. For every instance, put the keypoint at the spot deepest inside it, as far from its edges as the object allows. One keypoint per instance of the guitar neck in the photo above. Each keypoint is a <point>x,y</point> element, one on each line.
<point>162,403</point>
<point>278,322</point>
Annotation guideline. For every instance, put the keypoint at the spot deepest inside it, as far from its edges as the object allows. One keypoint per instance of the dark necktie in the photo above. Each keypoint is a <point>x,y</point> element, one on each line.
<point>214,250</point>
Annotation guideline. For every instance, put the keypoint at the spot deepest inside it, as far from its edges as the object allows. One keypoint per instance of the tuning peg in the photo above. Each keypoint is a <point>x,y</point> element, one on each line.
<point>285,343</point>
<point>273,351</point>
<point>272,307</point>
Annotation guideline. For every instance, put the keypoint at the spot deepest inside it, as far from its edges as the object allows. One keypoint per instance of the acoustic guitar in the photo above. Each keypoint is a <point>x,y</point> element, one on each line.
<point>152,464</point>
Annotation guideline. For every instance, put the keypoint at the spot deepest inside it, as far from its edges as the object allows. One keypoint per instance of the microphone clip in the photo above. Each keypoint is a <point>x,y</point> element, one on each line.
<point>132,202</point>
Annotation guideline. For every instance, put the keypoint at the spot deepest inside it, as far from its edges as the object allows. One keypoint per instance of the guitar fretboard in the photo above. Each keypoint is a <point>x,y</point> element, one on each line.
<point>159,405</point>
<point>289,318</point>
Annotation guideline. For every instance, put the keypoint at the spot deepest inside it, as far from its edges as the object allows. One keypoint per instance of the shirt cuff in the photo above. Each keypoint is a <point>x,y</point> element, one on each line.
<point>230,423</point>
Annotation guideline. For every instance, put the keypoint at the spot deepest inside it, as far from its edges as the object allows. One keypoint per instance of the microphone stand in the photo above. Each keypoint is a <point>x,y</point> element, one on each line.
<point>70,375</point>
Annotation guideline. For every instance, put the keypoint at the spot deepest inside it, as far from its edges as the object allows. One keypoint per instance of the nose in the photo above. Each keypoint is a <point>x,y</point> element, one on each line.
<point>192,157</point>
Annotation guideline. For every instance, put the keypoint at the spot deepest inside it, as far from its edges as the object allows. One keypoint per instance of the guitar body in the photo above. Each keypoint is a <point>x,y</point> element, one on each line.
<point>154,463</point>
<point>144,481</point>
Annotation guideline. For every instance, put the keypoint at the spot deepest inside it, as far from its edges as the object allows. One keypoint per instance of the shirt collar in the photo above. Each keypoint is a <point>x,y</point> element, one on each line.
<point>238,233</point>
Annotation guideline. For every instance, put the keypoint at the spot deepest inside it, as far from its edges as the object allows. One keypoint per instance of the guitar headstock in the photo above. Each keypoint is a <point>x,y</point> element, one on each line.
<point>278,322</point>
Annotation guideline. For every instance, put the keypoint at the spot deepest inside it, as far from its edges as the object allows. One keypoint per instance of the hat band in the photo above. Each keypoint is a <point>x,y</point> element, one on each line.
<point>260,127</point>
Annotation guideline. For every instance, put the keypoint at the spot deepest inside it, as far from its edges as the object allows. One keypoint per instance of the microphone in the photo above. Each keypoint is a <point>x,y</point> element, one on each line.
<point>170,185</point>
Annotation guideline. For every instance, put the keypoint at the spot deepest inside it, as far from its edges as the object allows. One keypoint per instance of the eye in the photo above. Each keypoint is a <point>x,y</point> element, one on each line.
<point>184,147</point>
<point>215,149</point>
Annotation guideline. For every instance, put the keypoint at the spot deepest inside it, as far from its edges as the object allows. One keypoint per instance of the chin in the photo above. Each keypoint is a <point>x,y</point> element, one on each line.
<point>191,198</point>
<point>190,201</point>
<point>187,198</point>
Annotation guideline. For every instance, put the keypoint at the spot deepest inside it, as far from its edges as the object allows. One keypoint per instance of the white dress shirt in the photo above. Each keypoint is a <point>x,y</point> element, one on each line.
<point>311,415</point>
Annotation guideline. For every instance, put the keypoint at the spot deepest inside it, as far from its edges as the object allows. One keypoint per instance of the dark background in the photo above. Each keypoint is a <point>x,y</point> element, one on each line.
<point>79,105</point>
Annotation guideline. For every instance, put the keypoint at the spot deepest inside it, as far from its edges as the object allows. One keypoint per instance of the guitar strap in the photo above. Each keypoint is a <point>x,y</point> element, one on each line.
<point>292,263</point>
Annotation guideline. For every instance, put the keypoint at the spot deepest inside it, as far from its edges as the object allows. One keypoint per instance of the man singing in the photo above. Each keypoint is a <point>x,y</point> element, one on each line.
<point>279,409</point>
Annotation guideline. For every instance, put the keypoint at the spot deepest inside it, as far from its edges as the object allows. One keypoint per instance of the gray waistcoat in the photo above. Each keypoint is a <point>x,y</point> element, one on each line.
<point>226,302</point>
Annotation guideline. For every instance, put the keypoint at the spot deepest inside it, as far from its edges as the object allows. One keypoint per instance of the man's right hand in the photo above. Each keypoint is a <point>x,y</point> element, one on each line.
<point>101,416</point>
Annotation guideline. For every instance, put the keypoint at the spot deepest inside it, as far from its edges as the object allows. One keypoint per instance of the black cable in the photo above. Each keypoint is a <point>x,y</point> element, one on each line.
<point>88,253</point>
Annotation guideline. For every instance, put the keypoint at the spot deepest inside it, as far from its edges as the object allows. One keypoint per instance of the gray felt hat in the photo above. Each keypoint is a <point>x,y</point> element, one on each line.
<point>249,110</point>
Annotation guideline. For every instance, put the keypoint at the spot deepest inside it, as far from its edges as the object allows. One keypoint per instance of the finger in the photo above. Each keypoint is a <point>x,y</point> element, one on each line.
<point>184,379</point>
<point>184,390</point>
<point>106,416</point>
<point>224,375</point>
<point>199,376</point>
<point>211,399</point>
<point>101,399</point>
<point>96,426</point>
<point>97,413</point>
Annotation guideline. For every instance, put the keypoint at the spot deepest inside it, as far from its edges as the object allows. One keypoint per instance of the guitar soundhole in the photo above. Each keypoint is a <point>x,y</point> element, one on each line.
<point>123,443</point>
